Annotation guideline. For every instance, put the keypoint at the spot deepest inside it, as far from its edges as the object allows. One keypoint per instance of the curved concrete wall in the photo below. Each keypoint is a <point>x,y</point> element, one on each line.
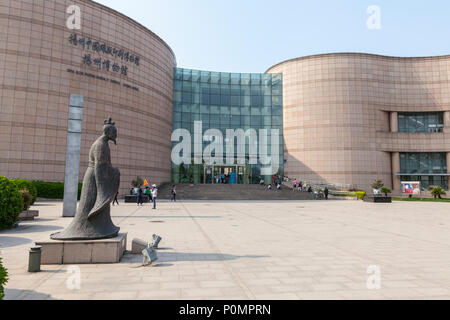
<point>338,109</point>
<point>35,85</point>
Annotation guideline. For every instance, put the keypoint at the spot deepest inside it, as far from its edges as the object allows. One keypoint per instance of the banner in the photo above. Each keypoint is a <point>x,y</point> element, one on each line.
<point>411,187</point>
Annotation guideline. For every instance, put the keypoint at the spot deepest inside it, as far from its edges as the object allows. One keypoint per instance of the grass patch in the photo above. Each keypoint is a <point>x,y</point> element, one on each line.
<point>421,199</point>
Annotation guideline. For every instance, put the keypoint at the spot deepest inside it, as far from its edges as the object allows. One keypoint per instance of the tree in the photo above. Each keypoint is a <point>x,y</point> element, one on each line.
<point>385,190</point>
<point>378,184</point>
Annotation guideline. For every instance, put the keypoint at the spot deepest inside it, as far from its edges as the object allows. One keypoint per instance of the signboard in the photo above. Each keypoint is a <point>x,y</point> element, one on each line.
<point>411,187</point>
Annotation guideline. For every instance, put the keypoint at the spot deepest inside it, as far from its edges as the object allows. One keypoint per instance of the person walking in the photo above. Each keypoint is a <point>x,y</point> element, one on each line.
<point>115,199</point>
<point>139,195</point>
<point>174,193</point>
<point>326,193</point>
<point>154,195</point>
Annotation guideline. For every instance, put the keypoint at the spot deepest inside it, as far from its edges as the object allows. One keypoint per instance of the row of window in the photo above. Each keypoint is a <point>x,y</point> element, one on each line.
<point>213,109</point>
<point>420,122</point>
<point>423,162</point>
<point>225,111</point>
<point>426,181</point>
<point>226,100</point>
<point>227,78</point>
<point>235,90</point>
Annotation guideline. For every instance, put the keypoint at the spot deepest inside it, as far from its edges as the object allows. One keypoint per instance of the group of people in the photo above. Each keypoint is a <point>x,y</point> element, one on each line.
<point>276,182</point>
<point>302,187</point>
<point>222,178</point>
<point>152,193</point>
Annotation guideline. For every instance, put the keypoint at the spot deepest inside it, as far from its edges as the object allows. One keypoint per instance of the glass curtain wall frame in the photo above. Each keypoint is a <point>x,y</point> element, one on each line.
<point>226,101</point>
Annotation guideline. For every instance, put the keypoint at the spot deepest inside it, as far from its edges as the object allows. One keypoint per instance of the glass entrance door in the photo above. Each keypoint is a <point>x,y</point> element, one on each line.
<point>225,174</point>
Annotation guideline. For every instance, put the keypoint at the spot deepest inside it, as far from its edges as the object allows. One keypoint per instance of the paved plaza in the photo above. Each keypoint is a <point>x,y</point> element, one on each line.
<point>251,250</point>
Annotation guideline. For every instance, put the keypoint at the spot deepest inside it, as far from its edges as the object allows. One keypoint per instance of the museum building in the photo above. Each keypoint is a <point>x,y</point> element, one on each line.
<point>343,119</point>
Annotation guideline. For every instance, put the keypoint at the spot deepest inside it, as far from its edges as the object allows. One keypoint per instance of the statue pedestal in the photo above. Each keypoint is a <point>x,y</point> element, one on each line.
<point>83,251</point>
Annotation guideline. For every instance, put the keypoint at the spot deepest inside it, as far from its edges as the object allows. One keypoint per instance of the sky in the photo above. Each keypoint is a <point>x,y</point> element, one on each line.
<point>253,35</point>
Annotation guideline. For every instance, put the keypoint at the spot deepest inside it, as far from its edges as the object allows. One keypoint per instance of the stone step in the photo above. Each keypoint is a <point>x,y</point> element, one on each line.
<point>231,192</point>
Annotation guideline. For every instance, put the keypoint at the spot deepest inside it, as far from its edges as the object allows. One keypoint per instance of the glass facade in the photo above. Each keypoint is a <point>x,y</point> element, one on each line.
<point>420,122</point>
<point>219,100</point>
<point>430,168</point>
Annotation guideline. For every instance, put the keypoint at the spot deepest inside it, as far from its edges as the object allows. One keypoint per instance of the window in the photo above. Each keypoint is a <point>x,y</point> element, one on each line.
<point>228,101</point>
<point>429,168</point>
<point>420,122</point>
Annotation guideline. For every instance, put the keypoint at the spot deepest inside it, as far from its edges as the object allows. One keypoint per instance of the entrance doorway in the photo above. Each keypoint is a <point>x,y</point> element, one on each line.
<point>227,174</point>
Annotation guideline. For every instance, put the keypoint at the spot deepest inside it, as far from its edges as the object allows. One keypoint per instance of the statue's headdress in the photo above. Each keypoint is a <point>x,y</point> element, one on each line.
<point>109,121</point>
<point>109,129</point>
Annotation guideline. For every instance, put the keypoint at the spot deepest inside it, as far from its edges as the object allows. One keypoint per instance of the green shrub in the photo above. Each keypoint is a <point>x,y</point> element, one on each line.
<point>3,279</point>
<point>11,203</point>
<point>28,185</point>
<point>437,192</point>
<point>27,198</point>
<point>385,190</point>
<point>360,194</point>
<point>52,190</point>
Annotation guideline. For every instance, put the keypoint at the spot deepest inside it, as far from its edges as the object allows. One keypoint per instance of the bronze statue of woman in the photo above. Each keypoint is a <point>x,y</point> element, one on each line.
<point>100,185</point>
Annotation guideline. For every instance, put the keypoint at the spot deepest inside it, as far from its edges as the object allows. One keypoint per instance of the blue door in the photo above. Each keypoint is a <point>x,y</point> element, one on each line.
<point>233,178</point>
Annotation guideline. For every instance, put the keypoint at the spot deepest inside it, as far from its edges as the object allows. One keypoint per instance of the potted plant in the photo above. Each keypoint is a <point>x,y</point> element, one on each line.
<point>378,190</point>
<point>376,186</point>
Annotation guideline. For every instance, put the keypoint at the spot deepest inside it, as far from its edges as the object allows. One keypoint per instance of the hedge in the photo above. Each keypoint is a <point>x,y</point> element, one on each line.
<point>11,203</point>
<point>52,190</point>
<point>360,194</point>
<point>28,185</point>
<point>3,279</point>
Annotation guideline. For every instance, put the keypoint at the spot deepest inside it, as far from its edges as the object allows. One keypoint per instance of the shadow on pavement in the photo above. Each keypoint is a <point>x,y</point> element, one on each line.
<point>17,294</point>
<point>164,257</point>
<point>150,216</point>
<point>6,242</point>
<point>31,228</point>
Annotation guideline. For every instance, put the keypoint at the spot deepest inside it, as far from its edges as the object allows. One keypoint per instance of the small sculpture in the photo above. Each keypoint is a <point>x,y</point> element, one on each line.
<point>149,255</point>
<point>100,185</point>
<point>155,242</point>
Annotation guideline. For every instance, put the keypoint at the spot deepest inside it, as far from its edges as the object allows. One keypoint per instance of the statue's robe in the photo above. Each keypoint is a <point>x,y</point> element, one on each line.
<point>100,185</point>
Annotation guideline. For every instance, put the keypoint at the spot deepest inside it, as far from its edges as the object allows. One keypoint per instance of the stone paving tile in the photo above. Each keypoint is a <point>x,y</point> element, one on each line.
<point>242,250</point>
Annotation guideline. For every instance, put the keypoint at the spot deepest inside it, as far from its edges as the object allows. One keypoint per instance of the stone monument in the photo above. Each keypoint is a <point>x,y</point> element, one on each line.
<point>92,237</point>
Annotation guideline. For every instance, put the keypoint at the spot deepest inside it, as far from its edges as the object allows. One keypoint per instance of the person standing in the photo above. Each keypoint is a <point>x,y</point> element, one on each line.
<point>174,193</point>
<point>295,185</point>
<point>326,193</point>
<point>139,195</point>
<point>154,195</point>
